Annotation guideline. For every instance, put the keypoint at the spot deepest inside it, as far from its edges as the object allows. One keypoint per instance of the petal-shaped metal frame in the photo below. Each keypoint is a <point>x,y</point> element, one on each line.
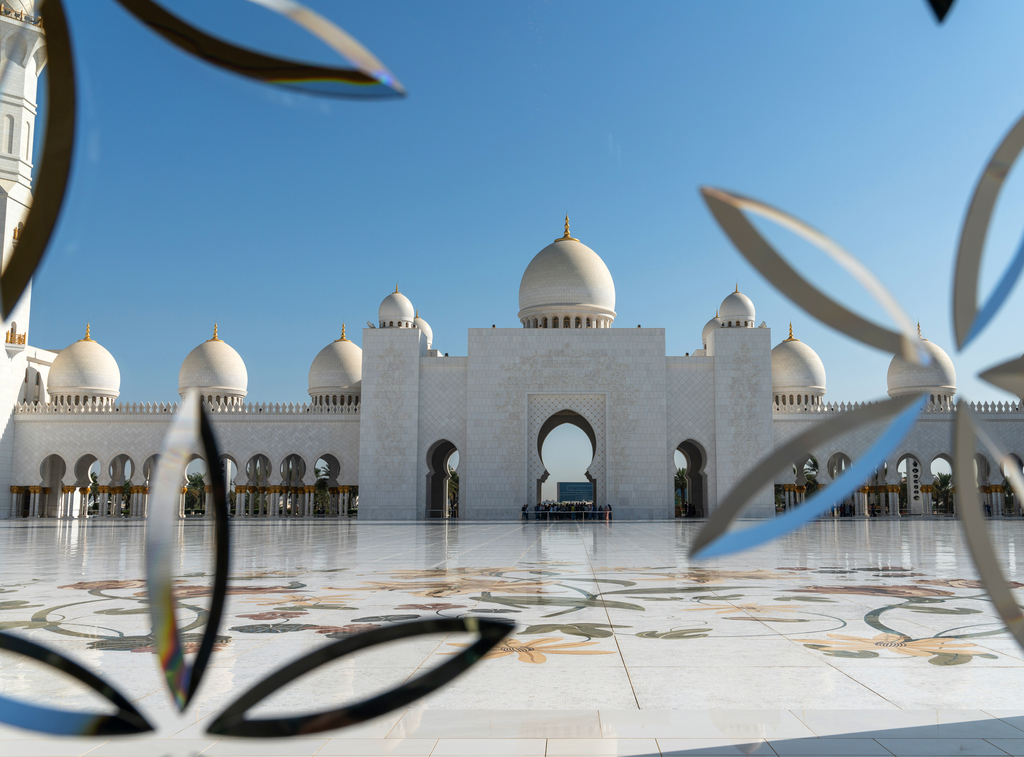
<point>369,79</point>
<point>969,426</point>
<point>232,721</point>
<point>728,207</point>
<point>968,319</point>
<point>67,722</point>
<point>54,162</point>
<point>189,428</point>
<point>941,8</point>
<point>713,540</point>
<point>1008,376</point>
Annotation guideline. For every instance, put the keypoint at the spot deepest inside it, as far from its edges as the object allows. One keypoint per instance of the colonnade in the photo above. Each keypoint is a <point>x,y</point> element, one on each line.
<point>250,501</point>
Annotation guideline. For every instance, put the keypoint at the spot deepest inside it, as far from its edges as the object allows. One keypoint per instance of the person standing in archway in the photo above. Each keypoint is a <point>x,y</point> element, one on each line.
<point>608,512</point>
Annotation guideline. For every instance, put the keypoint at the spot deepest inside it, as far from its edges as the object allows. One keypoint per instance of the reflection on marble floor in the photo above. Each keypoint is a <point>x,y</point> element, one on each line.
<point>848,615</point>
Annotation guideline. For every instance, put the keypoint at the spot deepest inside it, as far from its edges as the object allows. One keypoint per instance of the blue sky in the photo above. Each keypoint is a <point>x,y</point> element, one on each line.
<point>198,196</point>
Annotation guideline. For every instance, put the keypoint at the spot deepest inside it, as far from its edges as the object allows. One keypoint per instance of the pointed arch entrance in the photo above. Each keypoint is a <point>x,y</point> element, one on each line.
<point>554,421</point>
<point>694,497</point>
<point>440,502</point>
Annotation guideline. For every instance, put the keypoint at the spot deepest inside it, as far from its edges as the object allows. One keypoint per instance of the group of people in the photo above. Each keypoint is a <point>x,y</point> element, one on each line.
<point>568,511</point>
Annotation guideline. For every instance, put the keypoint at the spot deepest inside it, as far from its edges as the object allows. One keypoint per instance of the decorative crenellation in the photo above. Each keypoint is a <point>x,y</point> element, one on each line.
<point>946,406</point>
<point>156,408</point>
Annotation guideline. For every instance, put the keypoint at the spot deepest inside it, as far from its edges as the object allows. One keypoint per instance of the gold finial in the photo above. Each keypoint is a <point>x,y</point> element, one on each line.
<point>566,234</point>
<point>919,332</point>
<point>215,337</point>
<point>417,312</point>
<point>716,312</point>
<point>737,288</point>
<point>343,337</point>
<point>791,337</point>
<point>396,288</point>
<point>88,335</point>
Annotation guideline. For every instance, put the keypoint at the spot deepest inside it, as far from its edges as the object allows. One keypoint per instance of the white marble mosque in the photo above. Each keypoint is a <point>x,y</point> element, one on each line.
<point>386,417</point>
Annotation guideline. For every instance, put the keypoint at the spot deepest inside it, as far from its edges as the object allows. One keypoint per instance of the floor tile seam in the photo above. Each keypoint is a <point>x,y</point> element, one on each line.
<point>615,637</point>
<point>395,724</point>
<point>1003,720</point>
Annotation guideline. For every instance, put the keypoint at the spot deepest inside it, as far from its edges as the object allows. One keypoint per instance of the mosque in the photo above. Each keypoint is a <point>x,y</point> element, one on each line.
<point>384,419</point>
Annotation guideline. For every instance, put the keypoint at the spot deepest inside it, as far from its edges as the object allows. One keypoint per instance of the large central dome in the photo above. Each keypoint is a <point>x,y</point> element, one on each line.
<point>569,280</point>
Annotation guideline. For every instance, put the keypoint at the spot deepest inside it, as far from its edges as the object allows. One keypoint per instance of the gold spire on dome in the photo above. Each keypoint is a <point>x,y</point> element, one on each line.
<point>566,235</point>
<point>396,288</point>
<point>791,337</point>
<point>88,335</point>
<point>343,338</point>
<point>919,332</point>
<point>737,288</point>
<point>215,337</point>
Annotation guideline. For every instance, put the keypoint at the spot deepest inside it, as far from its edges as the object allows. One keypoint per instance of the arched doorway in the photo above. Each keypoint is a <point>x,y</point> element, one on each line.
<point>440,502</point>
<point>52,473</point>
<point>573,418</point>
<point>694,500</point>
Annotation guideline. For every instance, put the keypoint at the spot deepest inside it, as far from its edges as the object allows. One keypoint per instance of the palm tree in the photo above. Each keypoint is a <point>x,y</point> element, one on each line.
<point>811,475</point>
<point>680,482</point>
<point>321,495</point>
<point>94,490</point>
<point>195,492</point>
<point>942,489</point>
<point>453,490</point>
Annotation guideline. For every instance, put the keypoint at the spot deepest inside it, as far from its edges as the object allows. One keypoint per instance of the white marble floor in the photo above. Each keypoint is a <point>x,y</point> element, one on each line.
<point>852,635</point>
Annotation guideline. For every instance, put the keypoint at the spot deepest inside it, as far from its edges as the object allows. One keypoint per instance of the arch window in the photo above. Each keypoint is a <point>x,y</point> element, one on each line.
<point>555,322</point>
<point>579,322</point>
<point>535,323</point>
<point>565,322</point>
<point>545,323</point>
<point>791,399</point>
<point>9,128</point>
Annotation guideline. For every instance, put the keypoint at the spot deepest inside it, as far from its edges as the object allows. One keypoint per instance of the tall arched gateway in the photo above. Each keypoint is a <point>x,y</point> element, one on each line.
<point>548,412</point>
<point>438,477</point>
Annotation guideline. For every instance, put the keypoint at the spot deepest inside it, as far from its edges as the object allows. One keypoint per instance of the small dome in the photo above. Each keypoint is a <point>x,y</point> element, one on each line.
<point>215,368</point>
<point>566,276</point>
<point>714,323</point>
<point>737,309</point>
<point>85,369</point>
<point>424,327</point>
<point>337,368</point>
<point>396,310</point>
<point>797,368</point>
<point>938,377</point>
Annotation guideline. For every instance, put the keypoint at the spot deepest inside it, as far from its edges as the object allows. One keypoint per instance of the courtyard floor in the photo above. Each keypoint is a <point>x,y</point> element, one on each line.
<point>850,637</point>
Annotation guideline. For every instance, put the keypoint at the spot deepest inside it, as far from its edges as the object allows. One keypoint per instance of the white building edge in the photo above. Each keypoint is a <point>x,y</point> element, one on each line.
<point>388,417</point>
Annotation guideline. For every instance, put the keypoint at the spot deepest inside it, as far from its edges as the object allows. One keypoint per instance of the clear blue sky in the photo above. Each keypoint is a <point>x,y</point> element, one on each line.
<point>198,196</point>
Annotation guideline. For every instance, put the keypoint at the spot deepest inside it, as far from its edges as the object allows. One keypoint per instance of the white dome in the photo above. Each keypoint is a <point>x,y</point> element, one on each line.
<point>738,309</point>
<point>86,369</point>
<point>566,276</point>
<point>214,367</point>
<point>337,368</point>
<point>797,368</point>
<point>396,309</point>
<point>714,323</point>
<point>938,377</point>
<point>425,328</point>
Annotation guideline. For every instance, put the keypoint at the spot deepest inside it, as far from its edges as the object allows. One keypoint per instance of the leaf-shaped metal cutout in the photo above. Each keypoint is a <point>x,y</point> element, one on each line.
<point>1008,376</point>
<point>67,722</point>
<point>968,507</point>
<point>940,8</point>
<point>54,162</point>
<point>369,79</point>
<point>188,426</point>
<point>232,721</point>
<point>713,540</point>
<point>728,209</point>
<point>968,319</point>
